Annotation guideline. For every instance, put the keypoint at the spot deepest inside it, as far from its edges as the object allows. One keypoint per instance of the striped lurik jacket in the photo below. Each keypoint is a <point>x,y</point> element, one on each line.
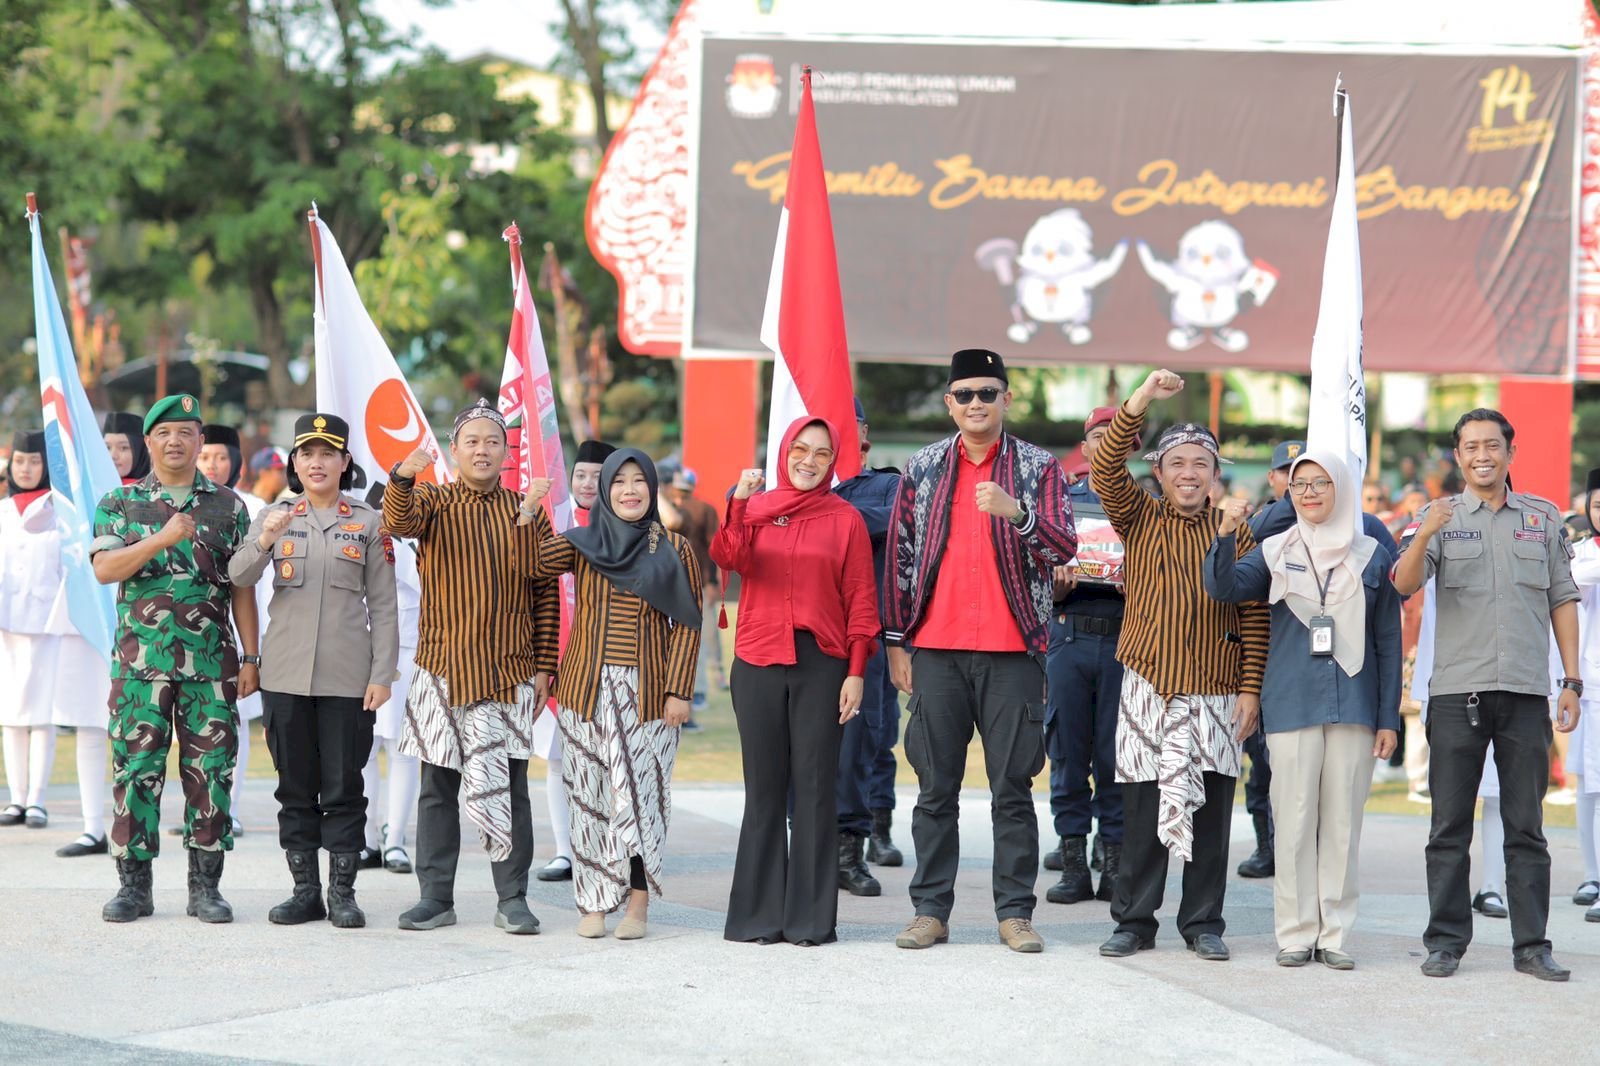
<point>612,627</point>
<point>1025,554</point>
<point>486,626</point>
<point>1175,636</point>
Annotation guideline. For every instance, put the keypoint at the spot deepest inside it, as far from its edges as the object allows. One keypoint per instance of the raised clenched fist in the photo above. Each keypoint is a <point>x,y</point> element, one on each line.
<point>415,463</point>
<point>750,482</point>
<point>992,499</point>
<point>179,528</point>
<point>1163,385</point>
<point>1234,512</point>
<point>1440,512</point>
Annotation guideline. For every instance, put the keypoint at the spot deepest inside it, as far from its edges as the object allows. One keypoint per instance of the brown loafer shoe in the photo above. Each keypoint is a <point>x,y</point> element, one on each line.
<point>923,932</point>
<point>1018,935</point>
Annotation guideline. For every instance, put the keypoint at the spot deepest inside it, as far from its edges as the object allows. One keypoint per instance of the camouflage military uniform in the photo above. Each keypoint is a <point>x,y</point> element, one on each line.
<point>175,668</point>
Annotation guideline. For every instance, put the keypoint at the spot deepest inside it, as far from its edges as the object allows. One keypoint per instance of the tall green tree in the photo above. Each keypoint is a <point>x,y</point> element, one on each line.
<point>258,109</point>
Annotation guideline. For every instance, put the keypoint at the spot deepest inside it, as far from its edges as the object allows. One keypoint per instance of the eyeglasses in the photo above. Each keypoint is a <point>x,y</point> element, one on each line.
<point>1316,488</point>
<point>799,452</point>
<point>963,397</point>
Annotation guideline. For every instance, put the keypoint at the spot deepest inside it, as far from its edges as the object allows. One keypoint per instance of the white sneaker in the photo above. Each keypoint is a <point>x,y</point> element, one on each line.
<point>1420,797</point>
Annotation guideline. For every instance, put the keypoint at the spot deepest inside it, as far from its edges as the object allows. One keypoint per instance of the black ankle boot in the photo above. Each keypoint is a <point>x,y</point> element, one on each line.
<point>133,899</point>
<point>880,848</point>
<point>305,905</point>
<point>854,877</point>
<point>1260,863</point>
<point>205,901</point>
<point>1076,884</point>
<point>342,909</point>
<point>1110,863</point>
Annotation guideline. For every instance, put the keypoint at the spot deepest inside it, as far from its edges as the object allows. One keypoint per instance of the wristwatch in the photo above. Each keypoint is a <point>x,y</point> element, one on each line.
<point>1573,683</point>
<point>249,660</point>
<point>1021,518</point>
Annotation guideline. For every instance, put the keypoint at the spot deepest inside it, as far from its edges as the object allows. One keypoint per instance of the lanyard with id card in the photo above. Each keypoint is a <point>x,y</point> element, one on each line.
<point>1321,625</point>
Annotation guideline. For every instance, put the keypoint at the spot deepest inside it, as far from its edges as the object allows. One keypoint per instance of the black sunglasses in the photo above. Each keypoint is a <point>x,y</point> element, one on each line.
<point>989,394</point>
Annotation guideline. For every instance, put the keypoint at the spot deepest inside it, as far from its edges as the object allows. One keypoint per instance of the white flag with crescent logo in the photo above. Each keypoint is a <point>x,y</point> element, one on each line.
<point>357,377</point>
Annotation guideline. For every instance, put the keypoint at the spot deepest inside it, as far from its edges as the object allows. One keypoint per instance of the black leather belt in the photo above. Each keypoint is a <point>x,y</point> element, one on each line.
<point>1104,627</point>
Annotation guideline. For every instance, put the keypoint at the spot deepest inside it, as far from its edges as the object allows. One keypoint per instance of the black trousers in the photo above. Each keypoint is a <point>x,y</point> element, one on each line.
<point>1142,880</point>
<point>1001,695</point>
<point>786,887</point>
<point>439,835</point>
<point>866,751</point>
<point>319,745</point>
<point>1258,783</point>
<point>1080,732</point>
<point>1520,728</point>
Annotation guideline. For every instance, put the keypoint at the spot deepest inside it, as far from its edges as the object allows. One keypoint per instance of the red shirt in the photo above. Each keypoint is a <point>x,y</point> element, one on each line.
<point>814,575</point>
<point>968,609</point>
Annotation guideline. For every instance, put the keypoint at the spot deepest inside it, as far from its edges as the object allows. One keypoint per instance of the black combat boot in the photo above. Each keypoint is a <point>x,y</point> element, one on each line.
<point>1110,863</point>
<point>342,909</point>
<point>133,899</point>
<point>1076,884</point>
<point>1260,863</point>
<point>854,877</point>
<point>205,902</point>
<point>880,848</point>
<point>1052,858</point>
<point>305,905</point>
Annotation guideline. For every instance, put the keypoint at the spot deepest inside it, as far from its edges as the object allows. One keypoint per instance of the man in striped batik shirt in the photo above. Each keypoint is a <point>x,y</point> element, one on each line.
<point>1191,681</point>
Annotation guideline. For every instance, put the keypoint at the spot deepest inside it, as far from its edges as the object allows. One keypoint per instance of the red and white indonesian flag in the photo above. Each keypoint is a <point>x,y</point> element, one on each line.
<point>357,377</point>
<point>804,320</point>
<point>528,402</point>
<point>1338,421</point>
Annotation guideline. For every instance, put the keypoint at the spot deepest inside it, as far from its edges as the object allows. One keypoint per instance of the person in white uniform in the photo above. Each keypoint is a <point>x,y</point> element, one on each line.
<point>53,677</point>
<point>1583,751</point>
<point>389,823</point>
<point>222,461</point>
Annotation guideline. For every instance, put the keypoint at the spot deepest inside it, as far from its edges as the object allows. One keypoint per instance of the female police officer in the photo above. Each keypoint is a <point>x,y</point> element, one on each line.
<point>327,662</point>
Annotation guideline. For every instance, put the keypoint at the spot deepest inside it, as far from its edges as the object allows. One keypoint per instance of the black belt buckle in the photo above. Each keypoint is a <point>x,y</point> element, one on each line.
<point>1103,627</point>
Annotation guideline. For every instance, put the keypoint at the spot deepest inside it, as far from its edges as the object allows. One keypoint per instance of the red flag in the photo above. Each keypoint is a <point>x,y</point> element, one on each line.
<point>804,320</point>
<point>528,402</point>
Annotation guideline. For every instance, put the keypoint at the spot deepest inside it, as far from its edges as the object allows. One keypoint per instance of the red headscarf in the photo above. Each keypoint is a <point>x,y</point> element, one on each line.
<point>789,503</point>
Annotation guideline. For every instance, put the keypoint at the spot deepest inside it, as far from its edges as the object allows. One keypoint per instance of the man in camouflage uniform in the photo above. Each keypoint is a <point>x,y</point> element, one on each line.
<point>166,540</point>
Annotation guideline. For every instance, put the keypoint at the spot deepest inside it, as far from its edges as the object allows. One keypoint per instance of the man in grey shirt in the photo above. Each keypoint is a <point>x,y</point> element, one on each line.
<point>1504,581</point>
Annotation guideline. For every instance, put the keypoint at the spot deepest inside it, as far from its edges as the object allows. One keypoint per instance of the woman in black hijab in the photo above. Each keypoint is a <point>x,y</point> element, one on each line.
<point>124,436</point>
<point>624,686</point>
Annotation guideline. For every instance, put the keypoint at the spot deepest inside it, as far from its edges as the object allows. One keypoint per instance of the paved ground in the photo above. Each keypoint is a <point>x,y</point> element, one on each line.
<point>169,990</point>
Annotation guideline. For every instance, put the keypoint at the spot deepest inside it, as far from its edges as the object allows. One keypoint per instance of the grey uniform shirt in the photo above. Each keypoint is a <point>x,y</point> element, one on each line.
<point>1500,574</point>
<point>335,619</point>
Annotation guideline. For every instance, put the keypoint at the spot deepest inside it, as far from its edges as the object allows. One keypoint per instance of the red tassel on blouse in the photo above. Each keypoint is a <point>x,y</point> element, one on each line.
<point>722,617</point>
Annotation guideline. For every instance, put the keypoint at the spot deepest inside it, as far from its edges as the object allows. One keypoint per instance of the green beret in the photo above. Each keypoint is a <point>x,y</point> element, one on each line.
<point>179,408</point>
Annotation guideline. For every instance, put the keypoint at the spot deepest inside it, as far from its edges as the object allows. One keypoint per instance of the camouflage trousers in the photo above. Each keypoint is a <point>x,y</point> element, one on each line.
<point>144,717</point>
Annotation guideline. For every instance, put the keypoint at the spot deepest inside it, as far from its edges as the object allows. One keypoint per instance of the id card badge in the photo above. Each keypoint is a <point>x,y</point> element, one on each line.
<point>1322,635</point>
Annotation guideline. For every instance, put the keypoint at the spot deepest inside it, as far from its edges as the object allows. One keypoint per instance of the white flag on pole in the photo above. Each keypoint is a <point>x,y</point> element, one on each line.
<point>357,377</point>
<point>1338,421</point>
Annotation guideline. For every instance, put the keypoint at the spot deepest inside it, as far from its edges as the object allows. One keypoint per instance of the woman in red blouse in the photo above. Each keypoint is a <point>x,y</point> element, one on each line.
<point>808,616</point>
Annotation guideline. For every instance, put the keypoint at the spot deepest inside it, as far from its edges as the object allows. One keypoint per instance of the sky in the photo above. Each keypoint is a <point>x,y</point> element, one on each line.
<point>516,29</point>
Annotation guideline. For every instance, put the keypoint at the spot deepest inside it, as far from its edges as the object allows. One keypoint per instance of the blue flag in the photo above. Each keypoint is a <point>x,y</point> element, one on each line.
<point>81,470</point>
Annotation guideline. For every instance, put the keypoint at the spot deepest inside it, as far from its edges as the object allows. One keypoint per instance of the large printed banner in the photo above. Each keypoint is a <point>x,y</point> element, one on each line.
<point>1086,204</point>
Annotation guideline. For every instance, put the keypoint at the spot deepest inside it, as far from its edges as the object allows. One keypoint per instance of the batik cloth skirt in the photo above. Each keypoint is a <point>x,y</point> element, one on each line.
<point>477,741</point>
<point>618,773</point>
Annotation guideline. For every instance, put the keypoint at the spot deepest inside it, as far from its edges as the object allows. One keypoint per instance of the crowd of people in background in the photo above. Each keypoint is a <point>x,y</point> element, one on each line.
<point>1320,634</point>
